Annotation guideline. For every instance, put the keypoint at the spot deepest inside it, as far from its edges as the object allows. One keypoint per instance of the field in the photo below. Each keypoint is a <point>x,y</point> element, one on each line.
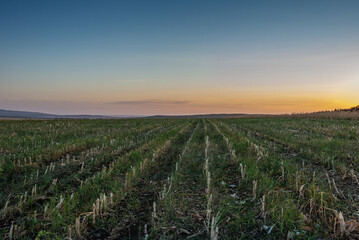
<point>235,178</point>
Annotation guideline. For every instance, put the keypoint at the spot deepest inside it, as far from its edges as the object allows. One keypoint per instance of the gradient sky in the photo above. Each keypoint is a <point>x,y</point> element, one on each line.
<point>178,57</point>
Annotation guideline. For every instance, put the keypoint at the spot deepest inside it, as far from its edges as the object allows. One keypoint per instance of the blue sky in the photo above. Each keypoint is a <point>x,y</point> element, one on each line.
<point>178,57</point>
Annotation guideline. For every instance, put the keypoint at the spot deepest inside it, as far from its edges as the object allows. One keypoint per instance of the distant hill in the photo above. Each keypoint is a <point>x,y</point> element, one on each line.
<point>337,113</point>
<point>38,115</point>
<point>221,115</point>
<point>353,109</point>
<point>349,113</point>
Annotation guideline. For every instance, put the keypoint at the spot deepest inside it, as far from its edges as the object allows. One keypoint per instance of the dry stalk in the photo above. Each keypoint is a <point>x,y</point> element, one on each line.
<point>94,211</point>
<point>54,182</point>
<point>209,211</point>
<point>254,189</point>
<point>58,206</point>
<point>11,233</point>
<point>263,203</point>
<point>45,211</point>
<point>154,212</point>
<point>208,190</point>
<point>111,198</point>
<point>243,171</point>
<point>69,234</point>
<point>339,218</point>
<point>146,233</point>
<point>207,146</point>
<point>214,229</point>
<point>336,189</point>
<point>33,193</point>
<point>78,226</point>
<point>353,175</point>
<point>329,183</point>
<point>97,207</point>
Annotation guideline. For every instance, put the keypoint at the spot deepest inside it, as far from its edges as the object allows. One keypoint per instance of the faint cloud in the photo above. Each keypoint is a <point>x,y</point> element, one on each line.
<point>132,80</point>
<point>151,102</point>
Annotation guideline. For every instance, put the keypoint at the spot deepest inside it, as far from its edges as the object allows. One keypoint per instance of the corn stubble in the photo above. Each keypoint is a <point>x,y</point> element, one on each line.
<point>267,178</point>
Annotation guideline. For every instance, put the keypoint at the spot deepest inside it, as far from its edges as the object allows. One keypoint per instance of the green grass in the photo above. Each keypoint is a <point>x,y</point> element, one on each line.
<point>261,178</point>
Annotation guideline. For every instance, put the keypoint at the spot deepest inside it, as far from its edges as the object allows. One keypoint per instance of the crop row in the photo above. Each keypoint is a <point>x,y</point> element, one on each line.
<point>293,199</point>
<point>61,200</point>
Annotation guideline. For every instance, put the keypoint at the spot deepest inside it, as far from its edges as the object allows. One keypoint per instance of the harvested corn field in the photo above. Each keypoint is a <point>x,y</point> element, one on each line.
<point>238,178</point>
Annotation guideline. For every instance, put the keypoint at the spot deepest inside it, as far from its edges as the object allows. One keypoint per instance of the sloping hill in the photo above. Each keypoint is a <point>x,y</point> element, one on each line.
<point>221,115</point>
<point>38,115</point>
<point>353,109</point>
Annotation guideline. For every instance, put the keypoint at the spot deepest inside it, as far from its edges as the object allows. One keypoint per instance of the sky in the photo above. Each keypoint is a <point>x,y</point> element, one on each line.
<point>178,57</point>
